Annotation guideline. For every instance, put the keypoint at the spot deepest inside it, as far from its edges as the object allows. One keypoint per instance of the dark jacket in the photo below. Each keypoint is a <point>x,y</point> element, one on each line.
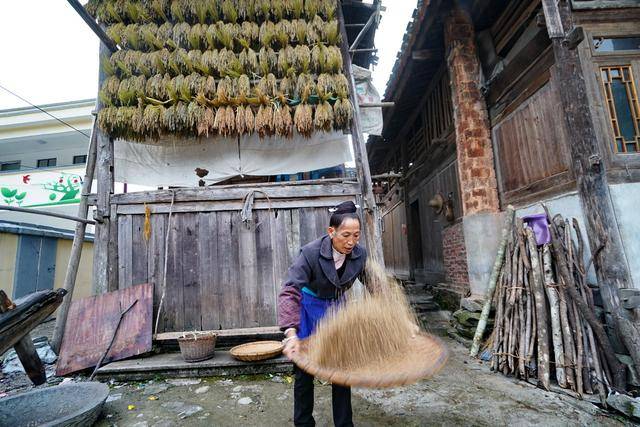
<point>315,269</point>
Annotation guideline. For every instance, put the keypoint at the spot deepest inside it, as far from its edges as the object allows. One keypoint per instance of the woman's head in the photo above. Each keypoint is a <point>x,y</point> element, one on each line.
<point>344,227</point>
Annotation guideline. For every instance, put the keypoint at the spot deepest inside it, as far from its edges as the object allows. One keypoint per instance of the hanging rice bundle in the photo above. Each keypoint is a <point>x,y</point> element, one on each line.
<point>152,121</point>
<point>287,87</point>
<point>246,10</point>
<point>319,58</point>
<point>195,56</point>
<point>209,87</point>
<point>342,113</point>
<point>156,87</point>
<point>211,35</point>
<point>225,121</point>
<point>267,34</point>
<point>250,33</point>
<point>249,120</point>
<point>334,60</point>
<point>209,61</point>
<point>302,58</point>
<point>282,31</point>
<point>323,118</point>
<point>108,68</point>
<point>282,121</point>
<point>294,8</point>
<point>149,37</point>
<point>107,119</point>
<point>180,36</point>
<point>328,9</point>
<point>249,61</point>
<point>109,92</point>
<point>267,60</point>
<point>285,61</point>
<point>299,29</point>
<point>324,87</point>
<point>303,119</point>
<point>130,63</point>
<point>136,133</point>
<point>229,64</point>
<point>277,10</point>
<point>229,11</point>
<point>136,12</point>
<point>165,33</point>
<point>331,32</point>
<point>158,10</point>
<point>205,125</point>
<point>225,34</point>
<point>224,91</point>
<point>195,114</point>
<point>264,121</point>
<point>198,37</point>
<point>115,32</point>
<point>195,82</point>
<point>268,86</point>
<point>315,28</point>
<point>159,61</point>
<point>179,62</point>
<point>304,87</point>
<point>130,90</point>
<point>241,124</point>
<point>146,65</point>
<point>263,10</point>
<point>311,8</point>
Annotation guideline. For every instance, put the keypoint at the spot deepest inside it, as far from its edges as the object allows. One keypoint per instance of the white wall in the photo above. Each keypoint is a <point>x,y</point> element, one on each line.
<point>626,199</point>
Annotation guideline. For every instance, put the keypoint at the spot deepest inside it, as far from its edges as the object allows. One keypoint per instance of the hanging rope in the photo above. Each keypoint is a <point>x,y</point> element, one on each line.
<point>247,208</point>
<point>164,273</point>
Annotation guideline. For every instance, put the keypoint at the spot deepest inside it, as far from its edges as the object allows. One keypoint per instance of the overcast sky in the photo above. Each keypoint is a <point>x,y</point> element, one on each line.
<point>48,54</point>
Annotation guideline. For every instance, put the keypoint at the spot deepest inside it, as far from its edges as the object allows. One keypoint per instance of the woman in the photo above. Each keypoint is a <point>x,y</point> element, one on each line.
<point>318,278</point>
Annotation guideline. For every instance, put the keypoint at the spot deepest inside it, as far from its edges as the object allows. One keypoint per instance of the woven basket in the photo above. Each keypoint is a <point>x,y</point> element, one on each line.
<point>197,346</point>
<point>259,350</point>
<point>427,356</point>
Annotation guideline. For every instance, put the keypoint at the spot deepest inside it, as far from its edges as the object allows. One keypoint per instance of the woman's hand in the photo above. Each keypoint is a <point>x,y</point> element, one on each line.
<point>291,346</point>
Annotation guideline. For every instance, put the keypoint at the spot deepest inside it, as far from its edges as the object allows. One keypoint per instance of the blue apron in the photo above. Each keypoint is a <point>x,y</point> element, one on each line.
<point>312,309</point>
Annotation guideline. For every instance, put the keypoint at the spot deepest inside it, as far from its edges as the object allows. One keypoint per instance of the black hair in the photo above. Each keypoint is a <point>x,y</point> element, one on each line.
<point>345,210</point>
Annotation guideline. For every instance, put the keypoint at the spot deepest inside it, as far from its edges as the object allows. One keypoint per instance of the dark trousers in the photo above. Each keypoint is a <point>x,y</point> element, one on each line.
<point>303,402</point>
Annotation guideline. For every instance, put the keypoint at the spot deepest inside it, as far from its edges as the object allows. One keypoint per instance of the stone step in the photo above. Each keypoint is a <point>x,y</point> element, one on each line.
<point>436,322</point>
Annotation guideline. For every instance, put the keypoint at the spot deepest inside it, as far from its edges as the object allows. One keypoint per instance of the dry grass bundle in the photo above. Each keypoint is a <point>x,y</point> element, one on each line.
<point>299,29</point>
<point>282,30</point>
<point>264,121</point>
<point>225,121</point>
<point>294,8</point>
<point>267,34</point>
<point>367,331</point>
<point>109,92</point>
<point>342,113</point>
<point>205,125</point>
<point>287,87</point>
<point>302,58</point>
<point>267,60</point>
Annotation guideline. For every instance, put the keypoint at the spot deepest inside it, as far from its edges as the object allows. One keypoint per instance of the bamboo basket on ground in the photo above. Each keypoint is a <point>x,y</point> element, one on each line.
<point>197,346</point>
<point>255,351</point>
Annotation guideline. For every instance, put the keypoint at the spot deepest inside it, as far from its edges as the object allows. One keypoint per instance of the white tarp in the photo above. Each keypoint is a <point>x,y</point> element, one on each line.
<point>171,163</point>
<point>370,118</point>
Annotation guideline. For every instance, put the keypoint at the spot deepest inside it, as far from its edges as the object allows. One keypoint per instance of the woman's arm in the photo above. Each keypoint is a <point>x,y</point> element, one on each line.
<point>298,275</point>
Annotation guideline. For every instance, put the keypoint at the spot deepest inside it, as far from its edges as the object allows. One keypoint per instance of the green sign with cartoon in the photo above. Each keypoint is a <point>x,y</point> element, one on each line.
<point>40,189</point>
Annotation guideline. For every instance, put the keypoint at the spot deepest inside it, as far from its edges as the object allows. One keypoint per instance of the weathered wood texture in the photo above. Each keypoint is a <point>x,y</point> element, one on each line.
<point>531,145</point>
<point>221,272</point>
<point>445,182</point>
<point>91,324</point>
<point>394,240</point>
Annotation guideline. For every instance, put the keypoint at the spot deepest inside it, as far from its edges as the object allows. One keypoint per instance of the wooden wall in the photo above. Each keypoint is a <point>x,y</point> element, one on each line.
<point>221,274</point>
<point>444,181</point>
<point>531,147</point>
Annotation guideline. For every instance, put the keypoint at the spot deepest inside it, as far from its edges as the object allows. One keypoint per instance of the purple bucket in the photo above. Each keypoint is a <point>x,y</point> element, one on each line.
<point>540,227</point>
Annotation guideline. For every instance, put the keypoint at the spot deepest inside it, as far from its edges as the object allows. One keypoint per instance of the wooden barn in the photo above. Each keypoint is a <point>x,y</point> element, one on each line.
<point>217,250</point>
<point>510,103</point>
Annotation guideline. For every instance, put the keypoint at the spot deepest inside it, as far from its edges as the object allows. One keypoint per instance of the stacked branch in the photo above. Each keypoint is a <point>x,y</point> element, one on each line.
<point>544,316</point>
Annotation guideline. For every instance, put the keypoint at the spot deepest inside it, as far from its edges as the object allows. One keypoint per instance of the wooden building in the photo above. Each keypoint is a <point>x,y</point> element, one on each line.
<point>481,121</point>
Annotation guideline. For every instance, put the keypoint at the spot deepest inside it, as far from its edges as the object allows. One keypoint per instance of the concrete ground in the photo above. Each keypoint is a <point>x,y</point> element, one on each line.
<point>464,393</point>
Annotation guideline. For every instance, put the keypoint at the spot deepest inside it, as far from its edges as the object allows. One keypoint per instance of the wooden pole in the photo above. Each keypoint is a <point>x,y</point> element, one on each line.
<point>78,241</point>
<point>484,316</point>
<point>589,170</point>
<point>371,213</point>
<point>104,177</point>
<point>51,214</point>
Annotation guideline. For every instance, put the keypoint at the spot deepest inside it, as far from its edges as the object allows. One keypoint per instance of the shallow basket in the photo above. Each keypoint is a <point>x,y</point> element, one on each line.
<point>427,356</point>
<point>197,346</point>
<point>259,350</point>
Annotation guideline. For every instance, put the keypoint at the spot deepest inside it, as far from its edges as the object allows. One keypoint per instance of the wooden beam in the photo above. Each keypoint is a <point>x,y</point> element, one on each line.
<point>612,270</point>
<point>372,18</point>
<point>240,332</point>
<point>102,35</point>
<point>377,105</point>
<point>372,215</point>
<point>46,213</point>
<point>78,241</point>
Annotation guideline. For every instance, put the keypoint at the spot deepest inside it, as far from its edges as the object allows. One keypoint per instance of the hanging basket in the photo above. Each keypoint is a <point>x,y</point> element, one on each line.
<point>197,346</point>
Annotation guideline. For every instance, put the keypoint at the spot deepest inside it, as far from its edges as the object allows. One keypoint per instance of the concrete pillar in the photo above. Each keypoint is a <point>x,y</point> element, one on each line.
<point>481,222</point>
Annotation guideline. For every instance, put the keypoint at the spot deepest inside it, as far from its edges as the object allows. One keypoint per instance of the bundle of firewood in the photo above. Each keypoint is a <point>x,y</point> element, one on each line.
<point>542,304</point>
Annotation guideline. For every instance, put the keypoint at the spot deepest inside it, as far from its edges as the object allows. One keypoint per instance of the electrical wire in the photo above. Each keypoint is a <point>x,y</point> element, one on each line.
<point>46,112</point>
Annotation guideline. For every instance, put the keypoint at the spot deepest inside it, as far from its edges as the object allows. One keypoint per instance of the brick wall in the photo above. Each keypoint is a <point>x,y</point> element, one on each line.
<point>473,136</point>
<point>455,259</point>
